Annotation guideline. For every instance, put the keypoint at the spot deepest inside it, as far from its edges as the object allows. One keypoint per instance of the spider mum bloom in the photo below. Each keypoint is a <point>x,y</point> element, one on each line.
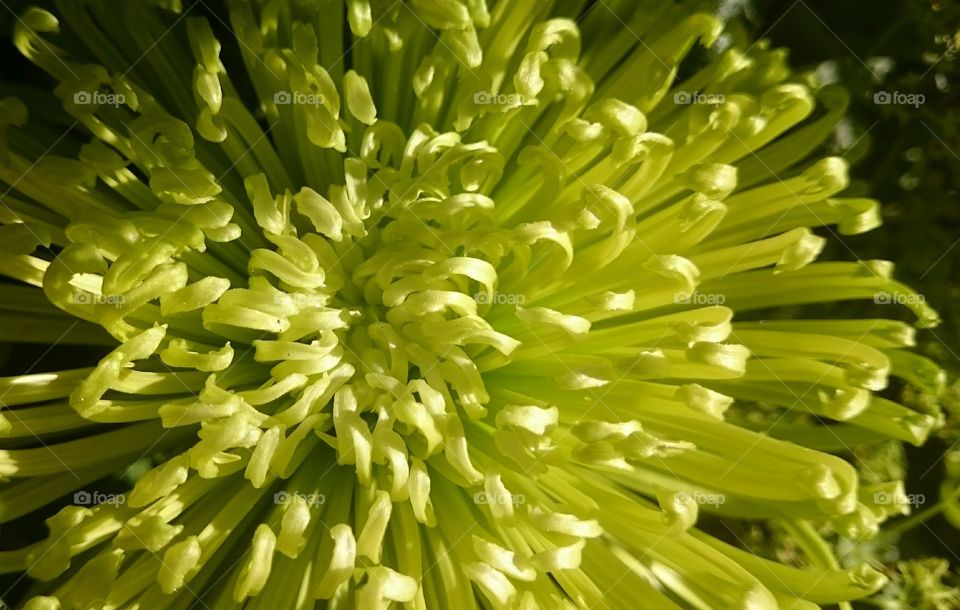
<point>431,304</point>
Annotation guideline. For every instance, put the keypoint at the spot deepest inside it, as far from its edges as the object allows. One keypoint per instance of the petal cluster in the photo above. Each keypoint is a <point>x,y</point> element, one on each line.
<point>435,304</point>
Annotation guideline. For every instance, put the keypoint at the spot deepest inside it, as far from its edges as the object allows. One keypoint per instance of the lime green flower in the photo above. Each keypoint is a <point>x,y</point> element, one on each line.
<point>432,304</point>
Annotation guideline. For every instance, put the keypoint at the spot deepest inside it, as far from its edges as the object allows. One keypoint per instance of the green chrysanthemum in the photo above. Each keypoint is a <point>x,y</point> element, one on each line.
<point>429,303</point>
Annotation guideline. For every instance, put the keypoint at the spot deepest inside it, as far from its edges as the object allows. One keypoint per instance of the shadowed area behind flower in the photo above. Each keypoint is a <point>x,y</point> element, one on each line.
<point>433,304</point>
